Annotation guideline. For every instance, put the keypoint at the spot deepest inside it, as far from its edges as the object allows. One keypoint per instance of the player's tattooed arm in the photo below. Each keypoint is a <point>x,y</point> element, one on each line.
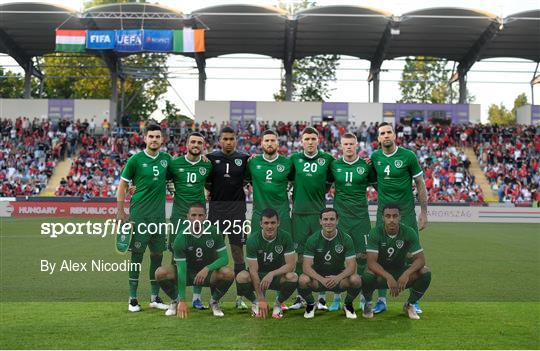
<point>423,199</point>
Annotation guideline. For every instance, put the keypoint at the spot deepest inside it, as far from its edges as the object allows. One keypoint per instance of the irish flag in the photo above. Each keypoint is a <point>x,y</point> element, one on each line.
<point>70,40</point>
<point>188,40</point>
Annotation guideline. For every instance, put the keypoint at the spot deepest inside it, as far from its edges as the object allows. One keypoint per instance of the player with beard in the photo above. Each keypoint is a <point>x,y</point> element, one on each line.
<point>147,170</point>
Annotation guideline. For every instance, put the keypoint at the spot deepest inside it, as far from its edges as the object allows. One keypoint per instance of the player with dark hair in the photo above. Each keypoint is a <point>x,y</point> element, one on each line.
<point>387,250</point>
<point>396,169</point>
<point>147,170</point>
<point>271,262</point>
<point>329,264</point>
<point>227,197</point>
<point>189,174</point>
<point>312,179</point>
<point>200,257</point>
<point>269,174</point>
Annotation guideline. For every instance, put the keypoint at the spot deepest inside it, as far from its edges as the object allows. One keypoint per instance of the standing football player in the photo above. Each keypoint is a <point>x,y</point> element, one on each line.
<point>312,179</point>
<point>269,174</point>
<point>271,261</point>
<point>227,197</point>
<point>147,171</point>
<point>329,264</point>
<point>396,169</point>
<point>352,175</point>
<point>387,250</point>
<point>189,174</point>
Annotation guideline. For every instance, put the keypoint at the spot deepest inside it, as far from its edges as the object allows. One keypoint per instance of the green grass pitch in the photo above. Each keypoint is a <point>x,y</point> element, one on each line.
<point>484,295</point>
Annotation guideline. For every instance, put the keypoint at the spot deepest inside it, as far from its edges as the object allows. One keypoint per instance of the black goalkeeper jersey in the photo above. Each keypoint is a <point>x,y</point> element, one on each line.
<point>227,196</point>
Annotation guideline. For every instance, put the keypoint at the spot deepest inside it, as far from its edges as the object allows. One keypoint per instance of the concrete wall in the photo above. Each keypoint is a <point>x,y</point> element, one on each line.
<point>474,113</point>
<point>90,108</point>
<point>524,115</point>
<point>38,108</point>
<point>31,108</point>
<point>212,111</point>
<point>288,111</point>
<point>365,112</point>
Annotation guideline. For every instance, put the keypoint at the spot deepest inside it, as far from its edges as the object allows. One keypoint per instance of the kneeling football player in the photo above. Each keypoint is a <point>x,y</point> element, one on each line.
<point>329,265</point>
<point>387,267</point>
<point>271,262</point>
<point>200,257</point>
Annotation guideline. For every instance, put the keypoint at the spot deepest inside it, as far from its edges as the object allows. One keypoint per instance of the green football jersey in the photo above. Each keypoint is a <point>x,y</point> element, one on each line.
<point>329,255</point>
<point>393,250</point>
<point>395,173</point>
<point>201,250</point>
<point>189,179</point>
<point>270,255</point>
<point>351,180</point>
<point>311,175</point>
<point>149,175</point>
<point>270,180</point>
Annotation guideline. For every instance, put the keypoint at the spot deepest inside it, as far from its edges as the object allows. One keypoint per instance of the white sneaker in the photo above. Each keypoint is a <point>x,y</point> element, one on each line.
<point>321,305</point>
<point>277,312</point>
<point>255,310</point>
<point>410,311</point>
<point>298,304</point>
<point>310,311</point>
<point>216,310</point>
<point>367,312</point>
<point>133,305</point>
<point>171,310</point>
<point>159,304</point>
<point>349,314</point>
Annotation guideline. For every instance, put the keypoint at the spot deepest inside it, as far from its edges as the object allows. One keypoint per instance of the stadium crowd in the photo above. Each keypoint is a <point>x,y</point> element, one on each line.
<point>29,152</point>
<point>510,158</point>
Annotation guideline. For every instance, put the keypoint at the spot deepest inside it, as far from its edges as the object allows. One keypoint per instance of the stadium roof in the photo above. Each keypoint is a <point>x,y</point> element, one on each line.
<point>28,29</point>
<point>462,35</point>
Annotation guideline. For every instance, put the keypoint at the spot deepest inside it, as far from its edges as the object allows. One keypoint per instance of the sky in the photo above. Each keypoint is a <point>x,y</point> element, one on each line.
<point>257,78</point>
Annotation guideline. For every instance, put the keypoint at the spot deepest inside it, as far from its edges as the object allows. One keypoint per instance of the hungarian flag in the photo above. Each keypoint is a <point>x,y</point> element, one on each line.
<point>188,40</point>
<point>70,40</point>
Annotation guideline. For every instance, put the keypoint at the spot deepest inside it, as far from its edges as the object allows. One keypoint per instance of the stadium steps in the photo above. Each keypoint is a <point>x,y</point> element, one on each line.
<point>480,177</point>
<point>60,171</point>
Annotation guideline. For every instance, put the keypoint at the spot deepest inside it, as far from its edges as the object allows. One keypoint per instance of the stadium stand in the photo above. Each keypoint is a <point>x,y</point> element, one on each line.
<point>510,159</point>
<point>29,152</point>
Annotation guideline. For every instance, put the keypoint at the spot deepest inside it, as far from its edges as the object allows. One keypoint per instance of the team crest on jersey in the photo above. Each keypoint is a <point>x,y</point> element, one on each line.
<point>360,170</point>
<point>280,168</point>
<point>339,248</point>
<point>399,244</point>
<point>163,163</point>
<point>210,243</point>
<point>321,161</point>
<point>202,171</point>
<point>138,244</point>
<point>238,162</point>
<point>279,249</point>
<point>398,163</point>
